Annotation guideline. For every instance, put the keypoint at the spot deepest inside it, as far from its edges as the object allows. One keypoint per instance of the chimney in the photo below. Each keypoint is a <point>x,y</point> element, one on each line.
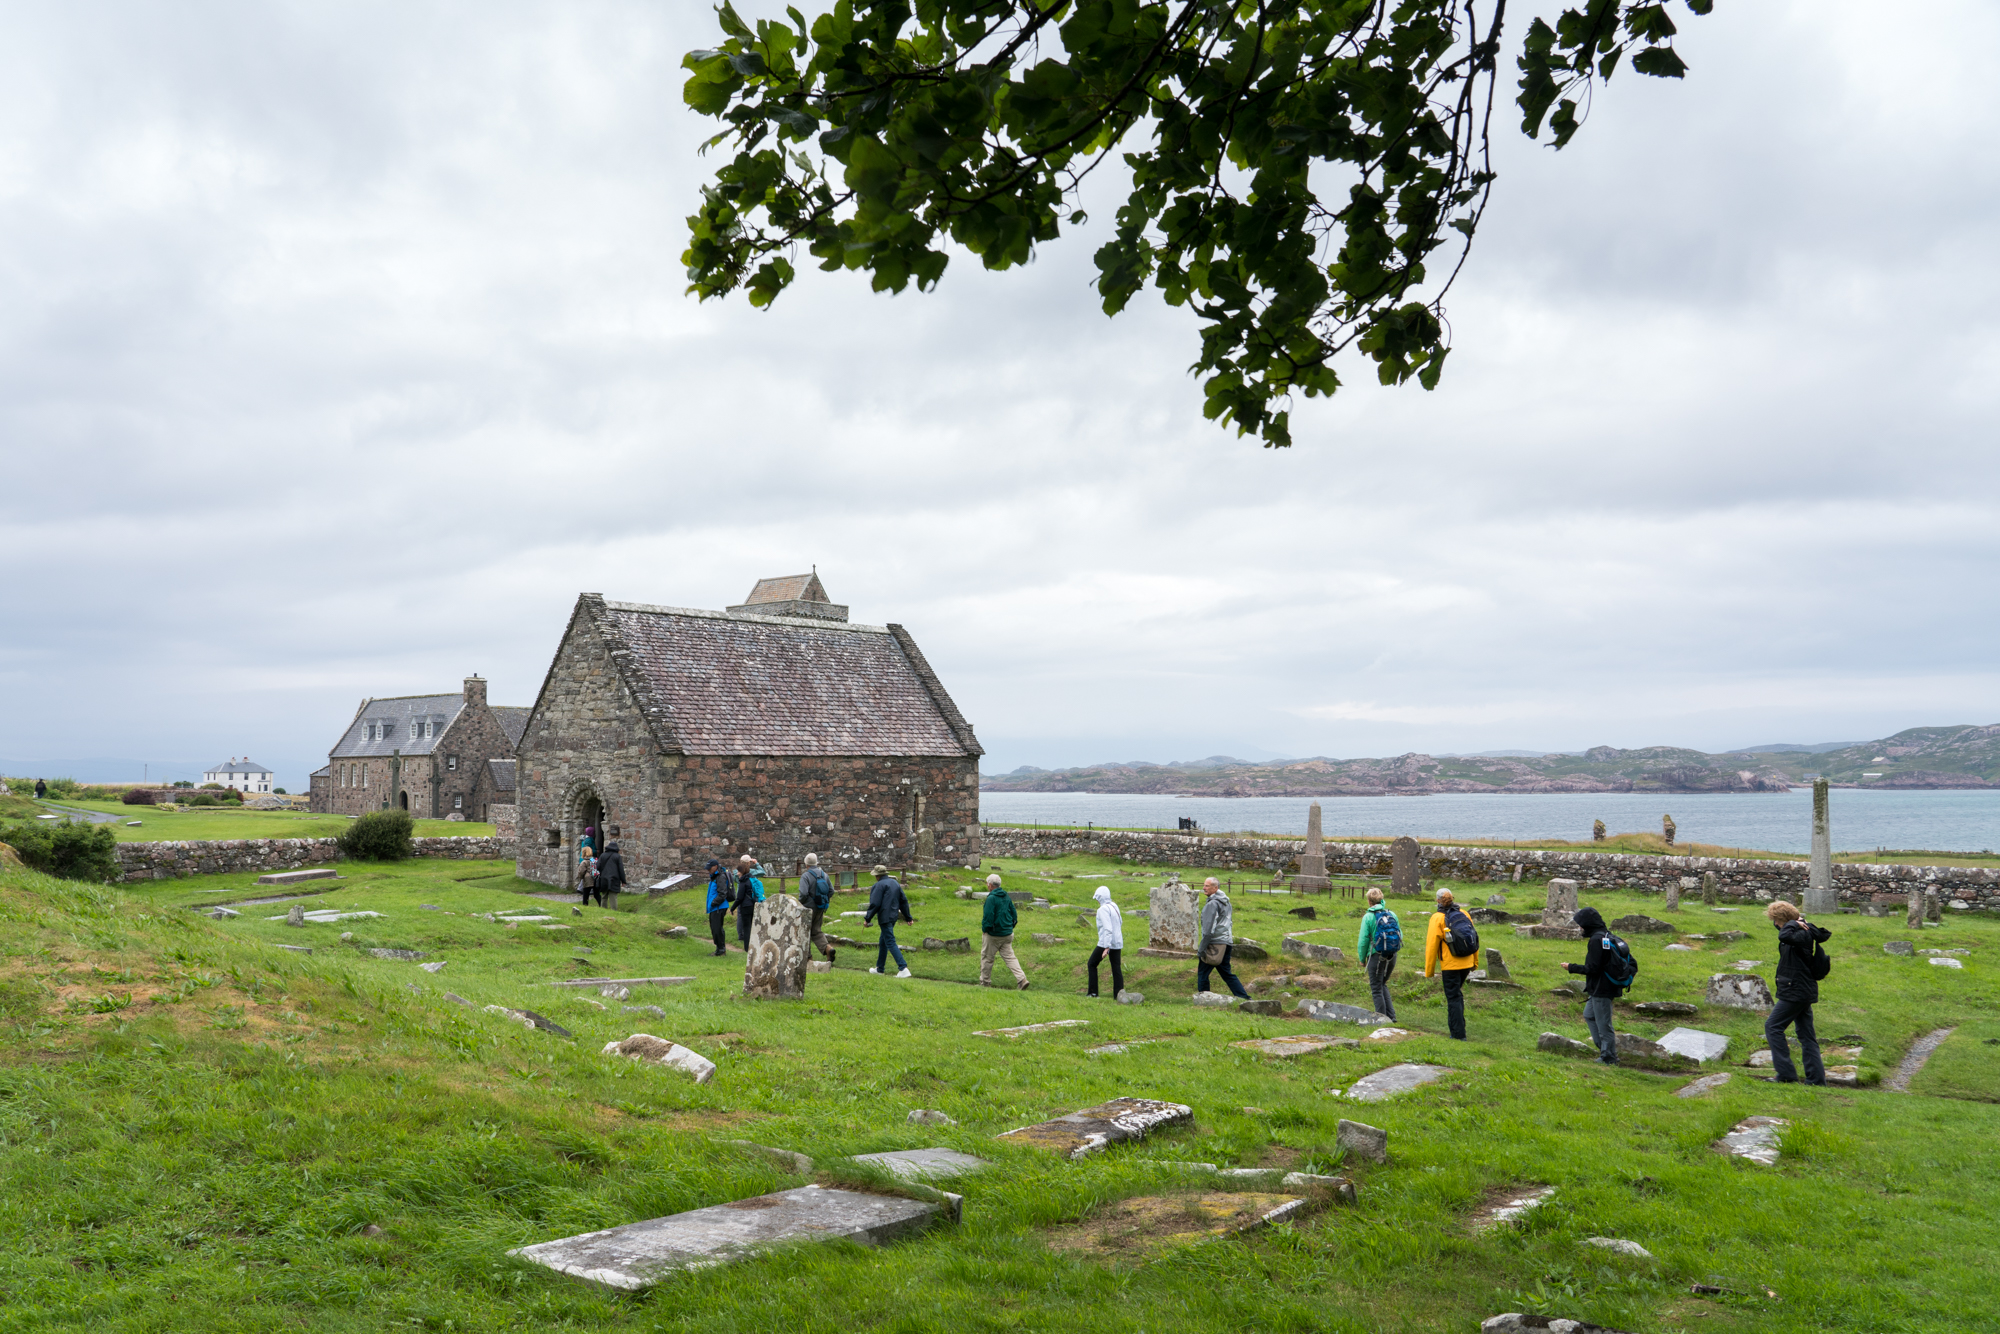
<point>475,691</point>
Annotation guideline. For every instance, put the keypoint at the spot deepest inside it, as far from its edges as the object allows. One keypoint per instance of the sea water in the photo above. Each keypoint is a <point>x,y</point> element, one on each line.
<point>1862,819</point>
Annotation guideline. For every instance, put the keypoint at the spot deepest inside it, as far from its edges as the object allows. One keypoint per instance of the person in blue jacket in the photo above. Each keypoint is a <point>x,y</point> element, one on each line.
<point>721,893</point>
<point>749,893</point>
<point>887,905</point>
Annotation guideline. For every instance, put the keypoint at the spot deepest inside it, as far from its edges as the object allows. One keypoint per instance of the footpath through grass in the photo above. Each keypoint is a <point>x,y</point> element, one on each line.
<point>199,1130</point>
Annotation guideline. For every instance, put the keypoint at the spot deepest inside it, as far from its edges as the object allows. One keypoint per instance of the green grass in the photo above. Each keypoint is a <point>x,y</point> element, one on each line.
<point>200,1131</point>
<point>214,822</point>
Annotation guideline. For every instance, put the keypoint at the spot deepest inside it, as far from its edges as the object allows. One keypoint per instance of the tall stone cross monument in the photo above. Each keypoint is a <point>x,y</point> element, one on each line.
<point>1312,862</point>
<point>1821,897</point>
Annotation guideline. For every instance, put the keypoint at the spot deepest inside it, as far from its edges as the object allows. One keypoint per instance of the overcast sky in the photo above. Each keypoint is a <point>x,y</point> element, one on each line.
<point>341,346</point>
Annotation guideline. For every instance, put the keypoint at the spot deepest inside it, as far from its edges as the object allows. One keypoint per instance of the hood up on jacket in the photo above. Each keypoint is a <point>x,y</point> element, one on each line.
<point>1103,894</point>
<point>1590,921</point>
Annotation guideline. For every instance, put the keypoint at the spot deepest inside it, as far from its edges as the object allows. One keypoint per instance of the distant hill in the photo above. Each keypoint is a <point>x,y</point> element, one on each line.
<point>1921,757</point>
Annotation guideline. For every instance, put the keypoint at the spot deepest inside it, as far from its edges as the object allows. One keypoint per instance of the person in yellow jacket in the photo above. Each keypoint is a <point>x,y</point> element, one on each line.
<point>1438,958</point>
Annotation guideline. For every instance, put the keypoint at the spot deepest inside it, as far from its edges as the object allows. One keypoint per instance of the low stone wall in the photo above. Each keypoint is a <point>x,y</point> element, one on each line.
<point>169,861</point>
<point>1739,880</point>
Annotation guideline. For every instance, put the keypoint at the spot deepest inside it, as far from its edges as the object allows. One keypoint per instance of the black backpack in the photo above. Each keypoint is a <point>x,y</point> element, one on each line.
<point>1819,963</point>
<point>1621,969</point>
<point>1460,934</point>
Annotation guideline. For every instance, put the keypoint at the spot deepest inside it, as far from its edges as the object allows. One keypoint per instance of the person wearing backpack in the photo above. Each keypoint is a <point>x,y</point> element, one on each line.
<point>815,896</point>
<point>749,893</point>
<point>721,893</point>
<point>1801,965</point>
<point>1608,968</point>
<point>1451,949</point>
<point>1380,940</point>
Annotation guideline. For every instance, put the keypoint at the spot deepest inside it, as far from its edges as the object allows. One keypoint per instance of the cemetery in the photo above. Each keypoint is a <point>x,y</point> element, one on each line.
<point>432,1093</point>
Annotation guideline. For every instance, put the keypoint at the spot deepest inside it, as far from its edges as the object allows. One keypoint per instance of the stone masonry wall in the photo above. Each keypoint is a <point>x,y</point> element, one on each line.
<point>589,738</point>
<point>1739,879</point>
<point>168,861</point>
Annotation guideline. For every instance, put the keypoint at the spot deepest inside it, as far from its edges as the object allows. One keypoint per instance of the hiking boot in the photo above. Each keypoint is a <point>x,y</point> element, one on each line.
<point>904,973</point>
<point>1024,984</point>
<point>830,954</point>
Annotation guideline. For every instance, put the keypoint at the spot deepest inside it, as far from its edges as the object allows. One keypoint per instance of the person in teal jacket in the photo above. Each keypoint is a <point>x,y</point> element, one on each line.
<point>1380,963</point>
<point>996,926</point>
<point>749,893</point>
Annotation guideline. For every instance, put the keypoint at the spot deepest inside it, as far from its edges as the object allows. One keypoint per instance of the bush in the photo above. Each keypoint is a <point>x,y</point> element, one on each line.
<point>278,791</point>
<point>201,799</point>
<point>211,787</point>
<point>62,787</point>
<point>139,796</point>
<point>379,836</point>
<point>66,850</point>
<point>183,782</point>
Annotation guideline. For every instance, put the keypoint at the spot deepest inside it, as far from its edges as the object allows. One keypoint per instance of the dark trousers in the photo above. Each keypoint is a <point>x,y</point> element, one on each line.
<point>1117,969</point>
<point>1380,966</point>
<point>1799,1015</point>
<point>717,927</point>
<point>815,934</point>
<point>744,912</point>
<point>1597,1015</point>
<point>888,947</point>
<point>1454,999</point>
<point>1228,974</point>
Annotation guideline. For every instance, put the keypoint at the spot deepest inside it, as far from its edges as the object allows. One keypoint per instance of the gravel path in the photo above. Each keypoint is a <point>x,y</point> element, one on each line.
<point>1913,1061</point>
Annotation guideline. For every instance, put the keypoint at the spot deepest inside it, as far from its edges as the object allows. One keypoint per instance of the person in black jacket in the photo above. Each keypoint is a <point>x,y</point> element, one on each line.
<point>1798,992</point>
<point>610,875</point>
<point>1598,993</point>
<point>721,894</point>
<point>888,905</point>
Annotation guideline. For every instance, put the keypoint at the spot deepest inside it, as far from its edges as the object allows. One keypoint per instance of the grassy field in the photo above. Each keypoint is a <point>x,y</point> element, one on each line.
<point>215,822</point>
<point>201,1131</point>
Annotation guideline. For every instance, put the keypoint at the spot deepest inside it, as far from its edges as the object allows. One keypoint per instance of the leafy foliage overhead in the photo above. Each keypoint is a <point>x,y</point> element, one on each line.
<point>1295,165</point>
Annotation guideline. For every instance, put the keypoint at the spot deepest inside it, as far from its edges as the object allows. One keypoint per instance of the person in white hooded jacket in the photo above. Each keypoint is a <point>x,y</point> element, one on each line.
<point>1110,940</point>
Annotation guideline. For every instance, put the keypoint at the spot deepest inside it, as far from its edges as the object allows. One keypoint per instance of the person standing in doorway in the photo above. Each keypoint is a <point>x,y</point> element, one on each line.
<point>721,893</point>
<point>610,875</point>
<point>1801,965</point>
<point>1440,957</point>
<point>888,905</point>
<point>815,896</point>
<point>749,893</point>
<point>997,918</point>
<point>1381,940</point>
<point>1216,942</point>
<point>1110,940</point>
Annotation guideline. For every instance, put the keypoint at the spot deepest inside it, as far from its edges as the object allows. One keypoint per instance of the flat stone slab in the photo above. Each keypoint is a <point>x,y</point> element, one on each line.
<point>1537,931</point>
<point>406,956</point>
<point>298,877</point>
<point>1899,947</point>
<point>1117,1121</point>
<point>1695,1044</point>
<point>1346,1014</point>
<point>1299,944</point>
<point>1620,1246</point>
<point>1514,1321</point>
<point>1396,1079</point>
<point>1634,923</point>
<point>1303,1044</point>
<point>1151,953</point>
<point>1694,1088</point>
<point>1029,1028</point>
<point>621,982</point>
<point>1510,1207</point>
<point>925,1164</point>
<point>639,1255</point>
<point>1667,1009</point>
<point>1755,1138</point>
<point>1943,962</point>
<point>1220,1000</point>
<point>1361,1140</point>
<point>1739,991</point>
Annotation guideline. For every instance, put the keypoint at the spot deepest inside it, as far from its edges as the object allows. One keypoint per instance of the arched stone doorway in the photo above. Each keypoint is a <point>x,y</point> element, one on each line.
<point>403,800</point>
<point>582,809</point>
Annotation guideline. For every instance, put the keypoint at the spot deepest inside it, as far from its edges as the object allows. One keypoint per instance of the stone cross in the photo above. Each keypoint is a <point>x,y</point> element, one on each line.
<point>779,948</point>
<point>1404,855</point>
<point>1711,887</point>
<point>1915,918</point>
<point>1312,862</point>
<point>1667,829</point>
<point>1820,894</point>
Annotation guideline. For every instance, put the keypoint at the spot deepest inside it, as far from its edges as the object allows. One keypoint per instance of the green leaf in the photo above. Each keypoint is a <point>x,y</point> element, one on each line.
<point>1660,62</point>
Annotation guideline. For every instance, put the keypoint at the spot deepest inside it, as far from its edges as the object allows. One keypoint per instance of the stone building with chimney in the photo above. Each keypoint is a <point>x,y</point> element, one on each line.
<point>774,728</point>
<point>435,756</point>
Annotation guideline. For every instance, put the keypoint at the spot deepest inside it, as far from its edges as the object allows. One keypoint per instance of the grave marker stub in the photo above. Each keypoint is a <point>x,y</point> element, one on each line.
<point>1312,862</point>
<point>1404,855</point>
<point>1820,894</point>
<point>1711,885</point>
<point>776,964</point>
<point>1173,920</point>
<point>1916,913</point>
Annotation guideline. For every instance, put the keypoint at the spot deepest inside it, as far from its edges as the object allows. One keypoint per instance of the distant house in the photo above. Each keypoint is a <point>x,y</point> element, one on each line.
<point>244,775</point>
<point>774,728</point>
<point>432,755</point>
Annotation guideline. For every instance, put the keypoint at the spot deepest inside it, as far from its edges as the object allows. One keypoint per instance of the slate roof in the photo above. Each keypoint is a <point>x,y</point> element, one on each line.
<point>513,721</point>
<point>788,588</point>
<point>718,683</point>
<point>502,772</point>
<point>245,766</point>
<point>399,713</point>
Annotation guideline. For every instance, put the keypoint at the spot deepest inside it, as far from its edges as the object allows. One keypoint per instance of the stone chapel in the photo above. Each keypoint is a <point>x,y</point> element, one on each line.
<point>775,728</point>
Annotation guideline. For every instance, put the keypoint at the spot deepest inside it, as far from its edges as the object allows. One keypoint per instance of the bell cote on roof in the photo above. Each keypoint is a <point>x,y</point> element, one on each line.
<point>791,595</point>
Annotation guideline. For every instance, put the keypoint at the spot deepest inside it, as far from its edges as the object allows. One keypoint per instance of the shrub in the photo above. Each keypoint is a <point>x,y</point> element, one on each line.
<point>66,850</point>
<point>382,836</point>
<point>211,787</point>
<point>139,796</point>
<point>183,782</point>
<point>201,799</point>
<point>278,791</point>
<point>62,787</point>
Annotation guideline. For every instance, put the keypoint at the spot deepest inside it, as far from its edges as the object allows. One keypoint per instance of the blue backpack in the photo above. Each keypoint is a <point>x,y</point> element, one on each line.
<point>1460,935</point>
<point>1388,937</point>
<point>1620,968</point>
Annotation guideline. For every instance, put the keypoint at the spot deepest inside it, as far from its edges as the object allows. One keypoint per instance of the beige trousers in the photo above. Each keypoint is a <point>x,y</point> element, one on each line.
<point>1003,946</point>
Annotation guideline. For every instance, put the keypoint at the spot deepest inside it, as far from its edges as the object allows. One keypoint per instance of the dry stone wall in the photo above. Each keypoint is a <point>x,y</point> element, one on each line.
<point>1737,880</point>
<point>170,861</point>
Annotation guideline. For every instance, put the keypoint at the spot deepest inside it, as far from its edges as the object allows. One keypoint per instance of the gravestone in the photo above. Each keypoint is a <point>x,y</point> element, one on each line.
<point>1667,829</point>
<point>1695,1044</point>
<point>659,1051</point>
<point>638,1255</point>
<point>775,967</point>
<point>1517,871</point>
<point>1739,991</point>
<point>1673,903</point>
<point>297,915</point>
<point>1557,911</point>
<point>1362,1141</point>
<point>1174,918</point>
<point>1496,968</point>
<point>1820,894</point>
<point>1900,946</point>
<point>1639,923</point>
<point>1754,1138</point>
<point>1094,1128</point>
<point>923,1164</point>
<point>1405,854</point>
<point>1335,1011</point>
<point>1312,862</point>
<point>1933,905</point>
<point>1302,1044</point>
<point>1915,919</point>
<point>1396,1079</point>
<point>1675,1008</point>
<point>1695,1088</point>
<point>1496,900</point>
<point>1711,887</point>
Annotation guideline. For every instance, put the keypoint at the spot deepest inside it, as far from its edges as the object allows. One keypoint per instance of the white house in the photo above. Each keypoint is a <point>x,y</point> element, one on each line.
<point>245,775</point>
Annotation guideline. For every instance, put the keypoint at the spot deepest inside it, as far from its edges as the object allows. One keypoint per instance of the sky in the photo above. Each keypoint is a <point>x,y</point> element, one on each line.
<point>341,347</point>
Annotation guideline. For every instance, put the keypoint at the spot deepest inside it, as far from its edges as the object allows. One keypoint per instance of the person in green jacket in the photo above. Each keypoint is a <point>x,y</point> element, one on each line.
<point>996,926</point>
<point>1381,962</point>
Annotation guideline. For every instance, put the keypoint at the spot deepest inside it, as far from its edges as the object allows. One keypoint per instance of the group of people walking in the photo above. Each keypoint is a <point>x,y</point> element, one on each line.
<point>600,876</point>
